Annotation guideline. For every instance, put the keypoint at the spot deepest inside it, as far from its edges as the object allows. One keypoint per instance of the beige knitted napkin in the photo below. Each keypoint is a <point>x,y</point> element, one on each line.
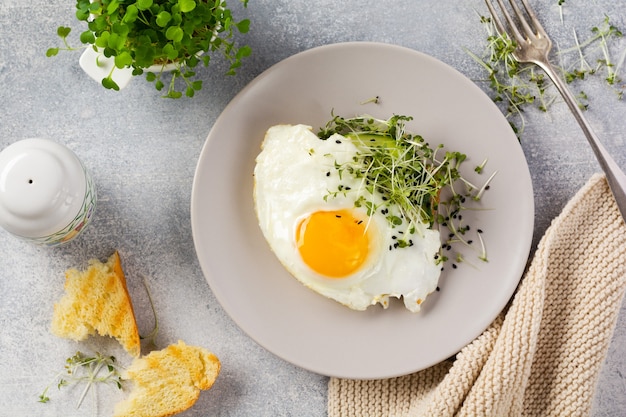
<point>541,357</point>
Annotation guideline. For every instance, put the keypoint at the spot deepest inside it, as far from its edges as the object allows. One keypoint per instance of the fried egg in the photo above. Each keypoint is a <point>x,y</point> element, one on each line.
<point>309,215</point>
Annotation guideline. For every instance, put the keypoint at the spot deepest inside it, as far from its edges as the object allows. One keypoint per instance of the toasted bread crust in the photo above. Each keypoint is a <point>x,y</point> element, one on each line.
<point>97,301</point>
<point>168,381</point>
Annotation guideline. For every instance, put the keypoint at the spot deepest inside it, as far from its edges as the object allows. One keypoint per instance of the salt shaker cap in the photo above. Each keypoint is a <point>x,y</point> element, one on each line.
<point>42,187</point>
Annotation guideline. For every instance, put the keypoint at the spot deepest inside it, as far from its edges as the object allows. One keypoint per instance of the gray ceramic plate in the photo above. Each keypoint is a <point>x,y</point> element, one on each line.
<point>301,326</point>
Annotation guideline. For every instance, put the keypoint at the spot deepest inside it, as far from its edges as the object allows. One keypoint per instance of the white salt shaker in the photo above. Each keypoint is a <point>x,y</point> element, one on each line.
<point>46,194</point>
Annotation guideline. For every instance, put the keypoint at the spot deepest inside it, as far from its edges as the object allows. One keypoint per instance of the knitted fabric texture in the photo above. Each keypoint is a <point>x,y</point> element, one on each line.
<point>540,357</point>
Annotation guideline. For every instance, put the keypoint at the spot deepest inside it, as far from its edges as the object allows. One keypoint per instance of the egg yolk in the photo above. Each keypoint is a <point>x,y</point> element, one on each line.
<point>333,243</point>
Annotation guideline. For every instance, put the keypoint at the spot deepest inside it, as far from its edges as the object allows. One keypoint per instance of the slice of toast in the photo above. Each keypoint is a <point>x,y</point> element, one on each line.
<point>168,381</point>
<point>97,300</point>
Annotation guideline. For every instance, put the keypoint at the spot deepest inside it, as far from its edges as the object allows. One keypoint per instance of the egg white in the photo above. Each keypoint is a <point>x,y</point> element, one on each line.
<point>294,172</point>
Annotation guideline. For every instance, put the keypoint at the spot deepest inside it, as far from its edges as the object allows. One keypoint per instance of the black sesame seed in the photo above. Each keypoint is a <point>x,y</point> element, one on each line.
<point>469,242</point>
<point>479,230</point>
<point>328,174</point>
<point>453,266</point>
<point>337,141</point>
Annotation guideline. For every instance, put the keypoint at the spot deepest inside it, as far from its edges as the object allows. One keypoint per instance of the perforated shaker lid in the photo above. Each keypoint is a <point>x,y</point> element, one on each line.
<point>42,187</point>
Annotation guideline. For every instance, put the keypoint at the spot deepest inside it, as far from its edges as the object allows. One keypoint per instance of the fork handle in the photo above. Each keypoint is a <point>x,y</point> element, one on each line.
<point>614,175</point>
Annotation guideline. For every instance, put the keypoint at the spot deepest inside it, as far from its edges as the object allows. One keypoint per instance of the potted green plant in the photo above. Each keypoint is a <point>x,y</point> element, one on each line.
<point>153,36</point>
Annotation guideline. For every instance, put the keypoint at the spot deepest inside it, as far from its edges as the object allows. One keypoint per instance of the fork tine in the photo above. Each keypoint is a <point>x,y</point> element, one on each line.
<point>533,18</point>
<point>512,32</point>
<point>495,17</point>
<point>528,31</point>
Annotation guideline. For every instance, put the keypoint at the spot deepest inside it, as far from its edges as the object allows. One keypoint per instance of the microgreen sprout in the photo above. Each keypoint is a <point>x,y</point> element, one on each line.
<point>151,337</point>
<point>479,168</point>
<point>517,86</point>
<point>597,48</point>
<point>90,370</point>
<point>483,250</point>
<point>374,100</point>
<point>560,4</point>
<point>403,178</point>
<point>514,85</point>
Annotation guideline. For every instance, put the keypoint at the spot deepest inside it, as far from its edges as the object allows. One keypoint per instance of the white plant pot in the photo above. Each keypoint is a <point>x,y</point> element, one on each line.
<point>98,66</point>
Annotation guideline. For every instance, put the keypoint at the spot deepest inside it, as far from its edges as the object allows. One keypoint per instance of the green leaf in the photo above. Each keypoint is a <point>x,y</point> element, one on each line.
<point>52,52</point>
<point>243,26</point>
<point>131,14</point>
<point>112,7</point>
<point>95,7</point>
<point>192,61</point>
<point>163,18</point>
<point>174,33</point>
<point>170,51</point>
<point>186,5</point>
<point>103,40</point>
<point>123,60</point>
<point>197,85</point>
<point>87,37</point>
<point>243,52</point>
<point>174,94</point>
<point>116,42</point>
<point>150,76</point>
<point>109,84</point>
<point>144,4</point>
<point>63,31</point>
<point>100,23</point>
<point>121,29</point>
<point>82,15</point>
<point>144,55</point>
<point>190,92</point>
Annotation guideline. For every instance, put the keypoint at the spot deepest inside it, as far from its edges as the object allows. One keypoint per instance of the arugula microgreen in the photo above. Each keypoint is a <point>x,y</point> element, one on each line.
<point>90,370</point>
<point>404,172</point>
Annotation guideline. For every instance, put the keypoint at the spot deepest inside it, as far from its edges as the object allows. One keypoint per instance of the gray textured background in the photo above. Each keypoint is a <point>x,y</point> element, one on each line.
<point>142,152</point>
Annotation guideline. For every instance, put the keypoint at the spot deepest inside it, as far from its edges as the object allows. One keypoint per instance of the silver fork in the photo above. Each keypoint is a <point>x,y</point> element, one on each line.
<point>533,45</point>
